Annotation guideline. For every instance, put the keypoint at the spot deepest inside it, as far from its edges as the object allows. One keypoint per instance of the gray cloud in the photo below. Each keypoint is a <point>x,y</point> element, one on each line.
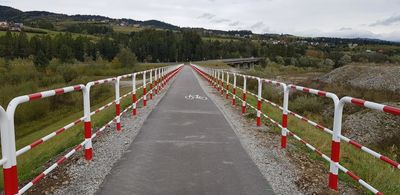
<point>266,30</point>
<point>345,28</point>
<point>220,20</point>
<point>388,21</point>
<point>257,25</point>
<point>207,16</point>
<point>236,23</point>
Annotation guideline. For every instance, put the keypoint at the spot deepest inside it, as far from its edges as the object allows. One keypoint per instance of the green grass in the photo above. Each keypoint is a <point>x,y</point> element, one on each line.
<point>126,29</point>
<point>219,38</point>
<point>213,64</point>
<point>375,172</point>
<point>51,33</point>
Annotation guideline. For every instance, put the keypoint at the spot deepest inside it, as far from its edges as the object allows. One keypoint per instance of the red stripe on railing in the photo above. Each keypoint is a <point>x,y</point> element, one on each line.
<point>322,93</point>
<point>61,160</point>
<point>37,142</point>
<point>319,126</point>
<point>34,96</point>
<point>390,161</point>
<point>59,91</point>
<point>318,152</point>
<point>78,147</point>
<point>358,102</point>
<point>352,175</point>
<point>77,87</point>
<point>392,110</point>
<point>356,144</point>
<point>60,131</point>
<point>38,178</point>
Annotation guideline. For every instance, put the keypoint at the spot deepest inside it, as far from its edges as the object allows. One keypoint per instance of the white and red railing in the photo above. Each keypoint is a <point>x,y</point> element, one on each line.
<point>9,154</point>
<point>216,79</point>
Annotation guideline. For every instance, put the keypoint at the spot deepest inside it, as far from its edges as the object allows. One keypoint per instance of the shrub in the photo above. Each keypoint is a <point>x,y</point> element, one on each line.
<point>126,58</point>
<point>346,59</point>
<point>279,60</point>
<point>41,61</point>
<point>303,104</point>
<point>68,73</point>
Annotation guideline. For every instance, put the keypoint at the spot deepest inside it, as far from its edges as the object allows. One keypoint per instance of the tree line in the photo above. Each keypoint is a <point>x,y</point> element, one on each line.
<point>171,46</point>
<point>147,45</point>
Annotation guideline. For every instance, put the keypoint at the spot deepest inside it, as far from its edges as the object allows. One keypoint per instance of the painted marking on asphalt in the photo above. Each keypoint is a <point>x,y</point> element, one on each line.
<point>195,97</point>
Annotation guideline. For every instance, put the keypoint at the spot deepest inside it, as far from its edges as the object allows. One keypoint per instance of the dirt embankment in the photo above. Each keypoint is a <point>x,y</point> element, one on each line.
<point>371,127</point>
<point>367,126</point>
<point>382,77</point>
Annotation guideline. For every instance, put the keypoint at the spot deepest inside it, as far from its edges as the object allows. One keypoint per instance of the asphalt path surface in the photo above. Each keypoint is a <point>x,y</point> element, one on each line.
<point>186,146</point>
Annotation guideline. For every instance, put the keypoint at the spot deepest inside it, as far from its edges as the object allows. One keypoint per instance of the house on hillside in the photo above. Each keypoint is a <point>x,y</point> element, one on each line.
<point>352,45</point>
<point>11,26</point>
<point>3,25</point>
<point>15,27</point>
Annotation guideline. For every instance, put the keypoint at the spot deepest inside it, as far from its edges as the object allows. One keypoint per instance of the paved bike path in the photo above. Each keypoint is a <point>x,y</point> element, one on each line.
<point>185,147</point>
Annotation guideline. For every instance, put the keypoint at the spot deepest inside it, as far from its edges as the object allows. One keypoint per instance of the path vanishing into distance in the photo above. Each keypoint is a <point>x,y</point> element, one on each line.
<point>186,146</point>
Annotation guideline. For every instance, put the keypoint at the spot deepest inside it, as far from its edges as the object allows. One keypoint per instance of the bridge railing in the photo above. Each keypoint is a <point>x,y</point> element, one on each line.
<point>216,79</point>
<point>9,153</point>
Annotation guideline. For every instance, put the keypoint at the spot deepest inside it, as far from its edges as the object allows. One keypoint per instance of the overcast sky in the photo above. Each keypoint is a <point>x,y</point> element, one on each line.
<point>341,18</point>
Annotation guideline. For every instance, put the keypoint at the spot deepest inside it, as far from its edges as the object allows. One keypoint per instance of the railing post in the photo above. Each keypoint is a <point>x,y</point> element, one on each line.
<point>227,85</point>
<point>218,80</point>
<point>117,104</point>
<point>166,75</point>
<point>158,80</point>
<point>335,149</point>
<point>88,125</point>
<point>222,83</point>
<point>134,99</point>
<point>209,76</point>
<point>244,94</point>
<point>144,89</point>
<point>285,112</point>
<point>163,78</point>
<point>234,90</point>
<point>155,81</point>
<point>10,174</point>
<point>151,84</point>
<point>259,102</point>
<point>215,78</point>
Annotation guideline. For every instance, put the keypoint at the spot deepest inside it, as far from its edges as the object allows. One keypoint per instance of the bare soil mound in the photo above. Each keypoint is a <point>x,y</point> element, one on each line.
<point>377,77</point>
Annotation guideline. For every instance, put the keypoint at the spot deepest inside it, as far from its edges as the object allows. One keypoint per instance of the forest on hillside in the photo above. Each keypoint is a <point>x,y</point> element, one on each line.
<point>171,46</point>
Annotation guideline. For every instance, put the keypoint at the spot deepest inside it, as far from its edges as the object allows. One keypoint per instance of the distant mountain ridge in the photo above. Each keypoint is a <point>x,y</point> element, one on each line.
<point>15,15</point>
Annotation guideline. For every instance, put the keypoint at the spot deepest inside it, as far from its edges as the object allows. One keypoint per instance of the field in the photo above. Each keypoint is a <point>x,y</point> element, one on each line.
<point>126,29</point>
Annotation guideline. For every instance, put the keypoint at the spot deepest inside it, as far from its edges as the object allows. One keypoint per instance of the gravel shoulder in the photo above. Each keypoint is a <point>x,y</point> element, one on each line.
<point>78,176</point>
